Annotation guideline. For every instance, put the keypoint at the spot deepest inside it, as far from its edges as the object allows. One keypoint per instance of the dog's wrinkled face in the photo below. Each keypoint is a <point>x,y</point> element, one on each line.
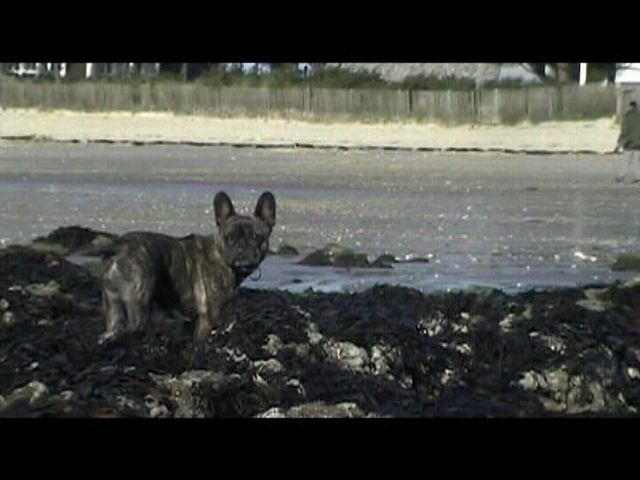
<point>244,239</point>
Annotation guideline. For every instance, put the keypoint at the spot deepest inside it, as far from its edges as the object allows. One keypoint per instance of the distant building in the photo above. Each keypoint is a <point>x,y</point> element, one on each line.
<point>628,85</point>
<point>79,71</point>
<point>26,70</point>
<point>628,74</point>
<point>120,70</point>
<point>480,73</point>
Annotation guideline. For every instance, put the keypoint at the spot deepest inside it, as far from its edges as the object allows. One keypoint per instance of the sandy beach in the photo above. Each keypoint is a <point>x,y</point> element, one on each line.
<point>598,136</point>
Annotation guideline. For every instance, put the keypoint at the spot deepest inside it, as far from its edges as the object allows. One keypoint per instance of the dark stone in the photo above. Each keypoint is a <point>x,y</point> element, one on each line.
<point>74,240</point>
<point>384,261</point>
<point>287,250</point>
<point>337,256</point>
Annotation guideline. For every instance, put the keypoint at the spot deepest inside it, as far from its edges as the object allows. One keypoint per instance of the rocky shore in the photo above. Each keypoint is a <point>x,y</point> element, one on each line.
<point>387,351</point>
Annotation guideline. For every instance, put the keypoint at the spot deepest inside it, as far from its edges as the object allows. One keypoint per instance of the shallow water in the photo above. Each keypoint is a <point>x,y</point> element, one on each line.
<point>509,221</point>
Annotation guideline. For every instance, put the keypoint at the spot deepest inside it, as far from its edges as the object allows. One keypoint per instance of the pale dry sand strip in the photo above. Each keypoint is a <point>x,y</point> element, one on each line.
<point>155,127</point>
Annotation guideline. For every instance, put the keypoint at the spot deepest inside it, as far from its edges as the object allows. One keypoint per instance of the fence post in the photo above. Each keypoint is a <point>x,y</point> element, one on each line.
<point>560,113</point>
<point>410,103</point>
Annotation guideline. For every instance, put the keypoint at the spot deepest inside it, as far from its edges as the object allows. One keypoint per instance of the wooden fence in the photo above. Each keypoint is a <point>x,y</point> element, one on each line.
<point>535,104</point>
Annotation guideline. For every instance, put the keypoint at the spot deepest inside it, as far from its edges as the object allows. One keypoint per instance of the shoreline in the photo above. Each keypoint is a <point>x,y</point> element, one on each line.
<point>295,145</point>
<point>163,128</point>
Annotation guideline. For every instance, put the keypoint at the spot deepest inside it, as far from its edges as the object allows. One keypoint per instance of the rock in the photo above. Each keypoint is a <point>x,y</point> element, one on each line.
<point>351,260</point>
<point>506,324</point>
<point>434,325</point>
<point>627,262</point>
<point>557,381</point>
<point>384,261</point>
<point>67,395</point>
<point>586,396</point>
<point>463,349</point>
<point>554,343</point>
<point>8,318</point>
<point>190,391</point>
<point>159,411</point>
<point>274,412</point>
<point>323,410</point>
<point>384,358</point>
<point>296,386</point>
<point>129,406</point>
<point>318,258</point>
<point>68,240</point>
<point>155,408</point>
<point>596,300</point>
<point>337,256</point>
<point>287,250</point>
<point>4,304</point>
<point>32,395</point>
<point>273,345</point>
<point>46,247</point>
<point>296,349</point>
<point>413,259</point>
<point>235,355</point>
<point>347,355</point>
<point>22,266</point>
<point>316,410</point>
<point>447,377</point>
<point>633,373</point>
<point>268,367</point>
<point>532,380</point>
<point>314,336</point>
<point>44,290</point>
<point>633,282</point>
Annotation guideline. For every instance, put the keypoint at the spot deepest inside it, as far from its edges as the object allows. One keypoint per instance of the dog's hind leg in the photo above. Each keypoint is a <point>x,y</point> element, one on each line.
<point>118,291</point>
<point>114,313</point>
<point>137,296</point>
<point>137,314</point>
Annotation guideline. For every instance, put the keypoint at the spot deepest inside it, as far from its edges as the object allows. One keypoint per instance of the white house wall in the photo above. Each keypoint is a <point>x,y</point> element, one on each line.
<point>628,73</point>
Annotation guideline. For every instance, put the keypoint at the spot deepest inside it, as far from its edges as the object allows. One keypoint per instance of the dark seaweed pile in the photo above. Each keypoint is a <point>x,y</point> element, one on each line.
<point>388,351</point>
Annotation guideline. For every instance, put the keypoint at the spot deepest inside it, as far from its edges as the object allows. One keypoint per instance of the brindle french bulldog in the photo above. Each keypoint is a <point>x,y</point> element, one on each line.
<point>194,275</point>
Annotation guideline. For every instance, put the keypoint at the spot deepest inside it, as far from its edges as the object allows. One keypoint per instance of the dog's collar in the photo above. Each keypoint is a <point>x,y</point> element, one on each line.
<point>259,270</point>
<point>242,273</point>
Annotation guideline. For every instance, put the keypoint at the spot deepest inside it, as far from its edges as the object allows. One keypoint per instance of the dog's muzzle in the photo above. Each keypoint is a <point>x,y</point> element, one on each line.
<point>244,271</point>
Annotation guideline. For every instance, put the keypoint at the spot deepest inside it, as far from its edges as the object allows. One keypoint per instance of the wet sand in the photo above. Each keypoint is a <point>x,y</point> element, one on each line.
<point>511,221</point>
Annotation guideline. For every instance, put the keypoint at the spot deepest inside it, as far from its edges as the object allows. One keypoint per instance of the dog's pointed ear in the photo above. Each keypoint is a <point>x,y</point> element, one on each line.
<point>223,208</point>
<point>266,209</point>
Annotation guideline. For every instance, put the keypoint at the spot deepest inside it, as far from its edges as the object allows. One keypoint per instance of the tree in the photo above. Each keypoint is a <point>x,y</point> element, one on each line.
<point>560,72</point>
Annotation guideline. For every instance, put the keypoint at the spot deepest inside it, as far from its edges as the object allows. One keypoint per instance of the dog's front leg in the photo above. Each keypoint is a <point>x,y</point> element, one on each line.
<point>205,323</point>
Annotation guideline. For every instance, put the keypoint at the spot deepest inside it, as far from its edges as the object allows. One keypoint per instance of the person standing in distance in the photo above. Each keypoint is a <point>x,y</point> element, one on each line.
<point>629,144</point>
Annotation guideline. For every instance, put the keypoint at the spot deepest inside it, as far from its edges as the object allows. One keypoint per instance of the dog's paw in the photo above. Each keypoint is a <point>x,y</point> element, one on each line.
<point>198,356</point>
<point>107,338</point>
